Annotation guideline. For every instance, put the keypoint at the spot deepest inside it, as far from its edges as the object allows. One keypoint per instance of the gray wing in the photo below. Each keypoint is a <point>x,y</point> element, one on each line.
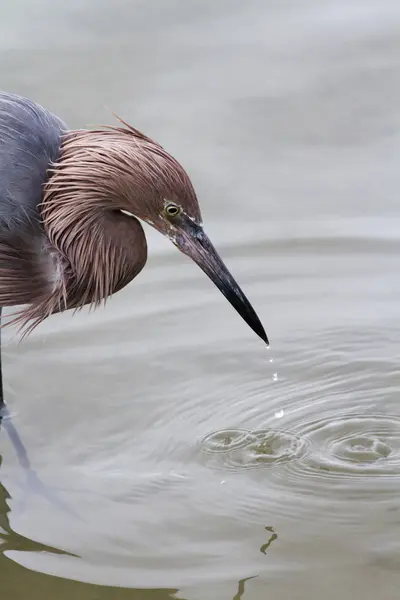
<point>29,140</point>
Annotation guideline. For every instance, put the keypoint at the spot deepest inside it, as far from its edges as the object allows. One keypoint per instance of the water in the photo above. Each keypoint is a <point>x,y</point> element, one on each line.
<point>174,456</point>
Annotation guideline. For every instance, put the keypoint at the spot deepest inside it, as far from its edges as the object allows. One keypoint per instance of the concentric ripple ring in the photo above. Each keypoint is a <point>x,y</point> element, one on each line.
<point>239,448</point>
<point>354,445</point>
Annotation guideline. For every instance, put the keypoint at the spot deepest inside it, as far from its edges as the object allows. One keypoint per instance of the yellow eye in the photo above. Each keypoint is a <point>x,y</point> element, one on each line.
<point>172,210</point>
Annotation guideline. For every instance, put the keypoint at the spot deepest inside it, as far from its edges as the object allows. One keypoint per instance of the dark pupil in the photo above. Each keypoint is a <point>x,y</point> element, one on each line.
<point>172,210</point>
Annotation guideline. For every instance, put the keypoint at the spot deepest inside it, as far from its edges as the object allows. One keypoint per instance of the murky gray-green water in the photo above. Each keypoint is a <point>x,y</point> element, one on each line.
<point>195,463</point>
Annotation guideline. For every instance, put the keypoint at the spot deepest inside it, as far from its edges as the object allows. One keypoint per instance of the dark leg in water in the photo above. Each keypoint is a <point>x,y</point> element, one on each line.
<point>33,482</point>
<point>5,420</point>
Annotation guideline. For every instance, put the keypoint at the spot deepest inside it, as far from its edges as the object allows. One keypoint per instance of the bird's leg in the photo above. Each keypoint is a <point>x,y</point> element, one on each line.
<point>5,420</point>
<point>33,483</point>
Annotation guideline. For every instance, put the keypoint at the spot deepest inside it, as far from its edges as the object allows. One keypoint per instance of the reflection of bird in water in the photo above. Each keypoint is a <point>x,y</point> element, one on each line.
<point>33,485</point>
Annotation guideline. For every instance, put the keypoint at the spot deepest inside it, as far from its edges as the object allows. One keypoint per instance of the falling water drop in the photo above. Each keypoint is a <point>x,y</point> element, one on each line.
<point>275,374</point>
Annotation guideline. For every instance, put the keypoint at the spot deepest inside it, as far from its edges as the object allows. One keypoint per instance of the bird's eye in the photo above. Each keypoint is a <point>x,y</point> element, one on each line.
<point>172,210</point>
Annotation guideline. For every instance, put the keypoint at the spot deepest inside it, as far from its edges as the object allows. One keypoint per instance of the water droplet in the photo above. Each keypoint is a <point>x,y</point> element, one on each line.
<point>275,377</point>
<point>279,414</point>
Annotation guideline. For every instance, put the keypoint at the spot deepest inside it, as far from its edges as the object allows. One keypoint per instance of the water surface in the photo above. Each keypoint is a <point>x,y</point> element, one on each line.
<point>179,457</point>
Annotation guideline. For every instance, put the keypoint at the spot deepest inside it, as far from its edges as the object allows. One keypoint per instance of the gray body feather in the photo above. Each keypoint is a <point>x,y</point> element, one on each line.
<point>29,141</point>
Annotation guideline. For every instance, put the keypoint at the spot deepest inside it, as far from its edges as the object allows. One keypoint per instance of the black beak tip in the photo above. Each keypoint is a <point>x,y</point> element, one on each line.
<point>263,336</point>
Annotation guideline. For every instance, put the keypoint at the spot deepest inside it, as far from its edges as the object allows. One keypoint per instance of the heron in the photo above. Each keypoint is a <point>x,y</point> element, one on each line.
<point>71,207</point>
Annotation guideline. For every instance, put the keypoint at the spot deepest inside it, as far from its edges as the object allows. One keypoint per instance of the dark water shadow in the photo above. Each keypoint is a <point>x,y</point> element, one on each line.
<point>19,583</point>
<point>263,549</point>
<point>241,587</point>
<point>10,540</point>
<point>272,538</point>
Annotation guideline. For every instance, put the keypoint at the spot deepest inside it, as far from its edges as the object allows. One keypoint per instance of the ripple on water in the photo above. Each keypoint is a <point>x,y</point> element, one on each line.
<point>353,446</point>
<point>240,448</point>
<point>351,454</point>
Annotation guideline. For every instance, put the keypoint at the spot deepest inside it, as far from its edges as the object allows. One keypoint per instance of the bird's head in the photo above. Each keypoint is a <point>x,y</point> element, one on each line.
<point>141,178</point>
<point>172,208</point>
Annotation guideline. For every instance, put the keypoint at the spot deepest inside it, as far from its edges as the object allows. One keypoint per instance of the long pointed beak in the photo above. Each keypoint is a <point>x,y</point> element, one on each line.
<point>192,241</point>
